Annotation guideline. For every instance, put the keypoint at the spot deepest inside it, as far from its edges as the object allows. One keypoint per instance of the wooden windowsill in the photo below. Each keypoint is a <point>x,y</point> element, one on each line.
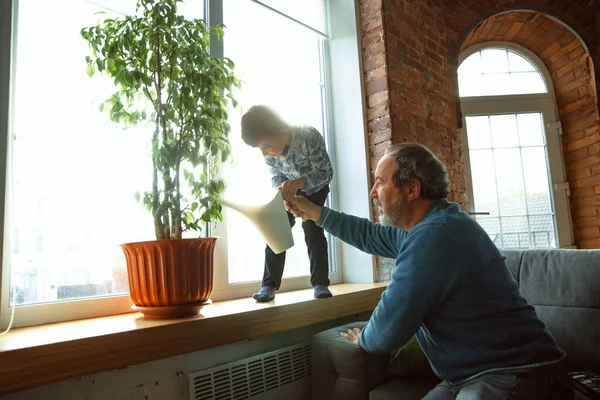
<point>39,355</point>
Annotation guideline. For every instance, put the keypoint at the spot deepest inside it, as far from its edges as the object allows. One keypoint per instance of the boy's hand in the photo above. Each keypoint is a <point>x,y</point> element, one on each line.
<point>288,189</point>
<point>301,207</point>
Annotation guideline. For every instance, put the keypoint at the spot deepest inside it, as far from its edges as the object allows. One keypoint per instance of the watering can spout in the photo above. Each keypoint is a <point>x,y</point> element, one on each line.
<point>270,219</point>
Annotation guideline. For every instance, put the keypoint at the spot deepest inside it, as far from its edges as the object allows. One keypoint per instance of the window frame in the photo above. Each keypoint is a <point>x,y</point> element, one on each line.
<point>544,103</point>
<point>41,313</point>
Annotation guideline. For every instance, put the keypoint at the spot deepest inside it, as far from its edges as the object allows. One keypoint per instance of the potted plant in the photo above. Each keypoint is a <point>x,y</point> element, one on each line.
<point>166,77</point>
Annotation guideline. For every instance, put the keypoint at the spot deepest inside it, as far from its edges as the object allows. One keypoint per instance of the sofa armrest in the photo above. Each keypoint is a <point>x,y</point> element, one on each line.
<point>342,370</point>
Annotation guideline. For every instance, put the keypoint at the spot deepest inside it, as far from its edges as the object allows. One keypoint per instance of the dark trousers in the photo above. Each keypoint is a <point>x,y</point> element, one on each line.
<point>317,249</point>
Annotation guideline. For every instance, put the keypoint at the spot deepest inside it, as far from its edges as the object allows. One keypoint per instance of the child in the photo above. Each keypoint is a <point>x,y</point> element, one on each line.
<point>300,165</point>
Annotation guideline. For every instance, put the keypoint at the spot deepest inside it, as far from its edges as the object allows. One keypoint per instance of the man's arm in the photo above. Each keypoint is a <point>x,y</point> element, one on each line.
<point>361,233</point>
<point>321,171</point>
<point>427,270</point>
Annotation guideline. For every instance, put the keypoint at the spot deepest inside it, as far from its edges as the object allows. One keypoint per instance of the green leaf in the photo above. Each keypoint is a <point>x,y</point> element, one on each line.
<point>193,88</point>
<point>90,69</point>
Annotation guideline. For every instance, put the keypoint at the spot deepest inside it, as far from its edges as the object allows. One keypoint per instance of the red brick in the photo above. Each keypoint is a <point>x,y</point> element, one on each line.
<point>583,212</point>
<point>584,142</point>
<point>375,74</point>
<point>380,137</point>
<point>379,149</point>
<point>584,162</point>
<point>589,244</point>
<point>374,61</point>
<point>372,38</point>
<point>377,98</point>
<point>579,173</point>
<point>585,202</point>
<point>582,191</point>
<point>587,222</point>
<point>588,182</point>
<point>377,86</point>
<point>378,111</point>
<point>379,124</point>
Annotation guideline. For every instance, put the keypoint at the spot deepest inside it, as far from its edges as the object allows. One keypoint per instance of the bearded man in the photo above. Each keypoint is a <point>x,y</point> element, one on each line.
<point>451,287</point>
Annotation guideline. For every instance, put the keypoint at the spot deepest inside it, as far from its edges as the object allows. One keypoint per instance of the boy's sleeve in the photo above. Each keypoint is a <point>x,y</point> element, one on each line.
<point>321,171</point>
<point>427,271</point>
<point>277,178</point>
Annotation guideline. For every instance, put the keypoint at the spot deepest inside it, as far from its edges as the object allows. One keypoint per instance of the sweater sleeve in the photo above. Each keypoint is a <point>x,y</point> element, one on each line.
<point>427,270</point>
<point>277,178</point>
<point>321,171</point>
<point>375,239</point>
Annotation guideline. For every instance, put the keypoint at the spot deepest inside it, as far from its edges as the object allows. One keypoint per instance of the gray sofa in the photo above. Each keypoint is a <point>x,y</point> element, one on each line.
<point>564,287</point>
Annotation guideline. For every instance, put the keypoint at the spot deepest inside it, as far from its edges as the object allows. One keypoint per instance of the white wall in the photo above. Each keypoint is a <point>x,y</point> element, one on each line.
<point>166,379</point>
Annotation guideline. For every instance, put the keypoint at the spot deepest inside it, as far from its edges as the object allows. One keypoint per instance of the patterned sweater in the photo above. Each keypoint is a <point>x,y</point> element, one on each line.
<point>452,288</point>
<point>306,158</point>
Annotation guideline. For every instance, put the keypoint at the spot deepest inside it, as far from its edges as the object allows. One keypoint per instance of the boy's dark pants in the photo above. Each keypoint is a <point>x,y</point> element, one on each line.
<point>317,249</point>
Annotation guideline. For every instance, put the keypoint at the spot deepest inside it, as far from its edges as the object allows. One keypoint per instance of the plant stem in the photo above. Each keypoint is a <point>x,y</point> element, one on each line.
<point>159,227</point>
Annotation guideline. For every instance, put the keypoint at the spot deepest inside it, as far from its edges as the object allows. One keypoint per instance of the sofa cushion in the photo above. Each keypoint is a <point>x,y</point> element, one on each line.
<point>403,389</point>
<point>514,258</point>
<point>564,287</point>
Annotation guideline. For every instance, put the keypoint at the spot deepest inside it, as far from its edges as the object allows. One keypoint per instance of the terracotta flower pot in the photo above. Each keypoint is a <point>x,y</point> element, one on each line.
<point>170,278</point>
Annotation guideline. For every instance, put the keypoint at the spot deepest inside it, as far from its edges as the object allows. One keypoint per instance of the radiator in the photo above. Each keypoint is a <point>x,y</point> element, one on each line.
<point>260,377</point>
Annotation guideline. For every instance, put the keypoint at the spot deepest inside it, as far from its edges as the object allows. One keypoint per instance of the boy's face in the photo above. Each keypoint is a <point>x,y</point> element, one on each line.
<point>272,147</point>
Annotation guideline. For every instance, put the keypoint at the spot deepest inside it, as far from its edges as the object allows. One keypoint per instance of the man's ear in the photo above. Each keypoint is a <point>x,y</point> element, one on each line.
<point>414,189</point>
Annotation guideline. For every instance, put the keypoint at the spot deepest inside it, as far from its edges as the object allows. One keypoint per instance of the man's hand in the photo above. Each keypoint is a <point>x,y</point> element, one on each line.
<point>301,207</point>
<point>289,188</point>
<point>352,335</point>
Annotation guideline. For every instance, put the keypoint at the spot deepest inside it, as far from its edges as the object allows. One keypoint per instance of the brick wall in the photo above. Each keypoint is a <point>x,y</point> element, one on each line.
<point>570,66</point>
<point>376,78</point>
<point>423,101</point>
<point>410,54</point>
<point>583,16</point>
<point>409,84</point>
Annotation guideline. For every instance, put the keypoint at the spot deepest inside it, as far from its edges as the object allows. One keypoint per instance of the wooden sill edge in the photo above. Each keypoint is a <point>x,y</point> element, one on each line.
<point>39,355</point>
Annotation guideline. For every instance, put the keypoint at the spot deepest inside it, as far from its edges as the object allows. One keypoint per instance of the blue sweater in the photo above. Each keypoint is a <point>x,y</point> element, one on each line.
<point>451,287</point>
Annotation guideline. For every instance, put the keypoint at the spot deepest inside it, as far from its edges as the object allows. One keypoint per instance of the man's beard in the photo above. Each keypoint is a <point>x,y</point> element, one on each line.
<point>396,212</point>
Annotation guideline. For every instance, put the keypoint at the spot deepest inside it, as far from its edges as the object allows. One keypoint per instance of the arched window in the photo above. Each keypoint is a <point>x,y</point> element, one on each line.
<point>516,179</point>
<point>499,71</point>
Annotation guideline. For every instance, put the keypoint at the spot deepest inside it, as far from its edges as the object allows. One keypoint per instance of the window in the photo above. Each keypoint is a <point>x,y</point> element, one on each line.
<point>492,72</point>
<point>71,213</point>
<point>67,216</point>
<point>514,162</point>
<point>285,71</point>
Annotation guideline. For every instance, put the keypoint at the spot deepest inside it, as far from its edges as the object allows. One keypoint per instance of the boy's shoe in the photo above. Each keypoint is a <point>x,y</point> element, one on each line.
<point>266,293</point>
<point>321,292</point>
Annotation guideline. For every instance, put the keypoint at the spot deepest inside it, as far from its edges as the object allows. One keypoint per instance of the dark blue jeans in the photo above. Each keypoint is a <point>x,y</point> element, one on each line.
<point>550,383</point>
<point>315,242</point>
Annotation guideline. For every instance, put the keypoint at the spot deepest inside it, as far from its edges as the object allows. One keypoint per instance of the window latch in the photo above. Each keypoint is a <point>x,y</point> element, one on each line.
<point>555,125</point>
<point>563,186</point>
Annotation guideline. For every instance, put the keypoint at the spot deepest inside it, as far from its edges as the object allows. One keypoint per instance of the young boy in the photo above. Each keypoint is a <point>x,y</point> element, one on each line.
<point>300,165</point>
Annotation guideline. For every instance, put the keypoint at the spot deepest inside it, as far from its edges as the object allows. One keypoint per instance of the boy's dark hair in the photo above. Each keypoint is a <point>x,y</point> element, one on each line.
<point>261,122</point>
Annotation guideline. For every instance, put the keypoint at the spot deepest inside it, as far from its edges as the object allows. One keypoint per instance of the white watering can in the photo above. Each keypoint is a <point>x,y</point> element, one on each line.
<point>270,219</point>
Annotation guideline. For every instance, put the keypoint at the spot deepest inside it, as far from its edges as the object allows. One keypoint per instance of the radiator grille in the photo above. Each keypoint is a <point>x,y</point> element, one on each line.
<point>252,376</point>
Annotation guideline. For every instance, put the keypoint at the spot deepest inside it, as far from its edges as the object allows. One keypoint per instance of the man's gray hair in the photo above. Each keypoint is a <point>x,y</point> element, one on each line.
<point>415,161</point>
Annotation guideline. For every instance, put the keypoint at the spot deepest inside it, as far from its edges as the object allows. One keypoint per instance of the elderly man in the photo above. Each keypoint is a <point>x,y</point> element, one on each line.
<point>451,287</point>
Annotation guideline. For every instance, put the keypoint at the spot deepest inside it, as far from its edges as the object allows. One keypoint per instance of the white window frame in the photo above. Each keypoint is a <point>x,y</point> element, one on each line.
<point>544,103</point>
<point>350,187</point>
